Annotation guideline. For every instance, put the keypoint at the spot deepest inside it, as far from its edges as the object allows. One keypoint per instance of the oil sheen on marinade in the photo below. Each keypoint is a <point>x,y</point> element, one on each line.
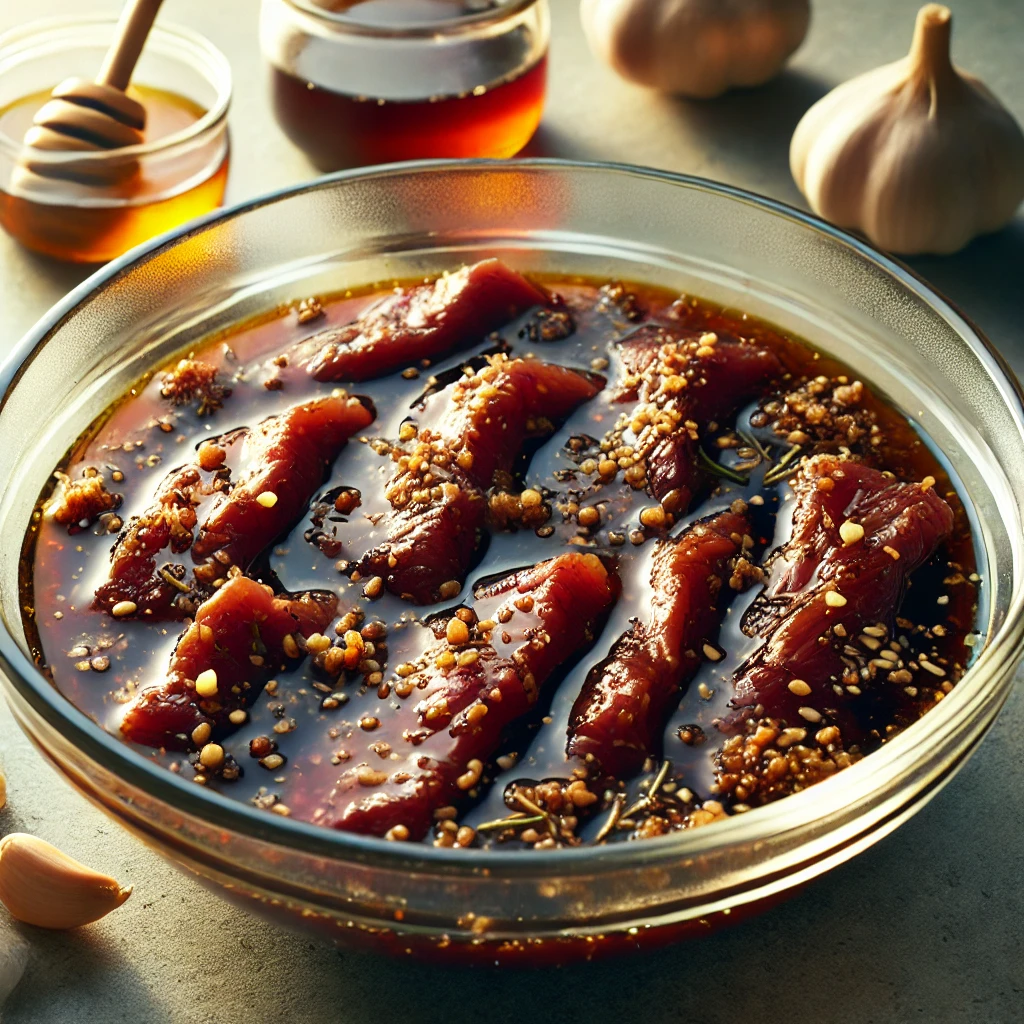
<point>302,730</point>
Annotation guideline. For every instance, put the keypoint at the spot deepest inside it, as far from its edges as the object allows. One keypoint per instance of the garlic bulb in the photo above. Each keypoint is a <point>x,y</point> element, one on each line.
<point>917,155</point>
<point>696,48</point>
<point>40,885</point>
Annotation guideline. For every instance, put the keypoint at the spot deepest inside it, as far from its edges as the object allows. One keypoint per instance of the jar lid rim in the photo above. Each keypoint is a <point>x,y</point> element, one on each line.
<point>454,25</point>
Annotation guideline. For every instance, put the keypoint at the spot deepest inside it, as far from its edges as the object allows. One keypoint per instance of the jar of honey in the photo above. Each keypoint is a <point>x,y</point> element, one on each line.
<point>374,81</point>
<point>89,207</point>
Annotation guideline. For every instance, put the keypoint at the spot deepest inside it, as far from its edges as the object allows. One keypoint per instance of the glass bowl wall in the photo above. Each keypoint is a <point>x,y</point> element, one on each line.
<point>612,221</point>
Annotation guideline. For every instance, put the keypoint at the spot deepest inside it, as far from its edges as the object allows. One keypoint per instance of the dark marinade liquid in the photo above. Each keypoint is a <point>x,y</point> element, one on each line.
<point>98,662</point>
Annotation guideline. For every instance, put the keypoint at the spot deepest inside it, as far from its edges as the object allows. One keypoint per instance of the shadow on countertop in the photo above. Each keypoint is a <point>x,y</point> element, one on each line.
<point>987,275</point>
<point>742,137</point>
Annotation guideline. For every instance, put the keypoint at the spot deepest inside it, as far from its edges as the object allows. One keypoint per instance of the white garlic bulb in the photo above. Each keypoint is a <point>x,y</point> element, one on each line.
<point>917,155</point>
<point>696,48</point>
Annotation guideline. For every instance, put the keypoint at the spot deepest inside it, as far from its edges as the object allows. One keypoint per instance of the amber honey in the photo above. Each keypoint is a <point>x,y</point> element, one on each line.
<point>88,224</point>
<point>381,81</point>
<point>338,130</point>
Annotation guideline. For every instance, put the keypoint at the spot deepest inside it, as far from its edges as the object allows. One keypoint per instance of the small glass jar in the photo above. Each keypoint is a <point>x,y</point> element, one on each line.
<point>91,207</point>
<point>380,81</point>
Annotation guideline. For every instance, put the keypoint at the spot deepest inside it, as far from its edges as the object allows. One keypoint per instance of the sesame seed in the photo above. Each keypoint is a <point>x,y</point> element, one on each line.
<point>653,516</point>
<point>711,653</point>
<point>212,755</point>
<point>799,687</point>
<point>457,632</point>
<point>851,532</point>
<point>834,599</point>
<point>238,717</point>
<point>810,714</point>
<point>206,683</point>
<point>790,736</point>
<point>123,609</point>
<point>268,499</point>
<point>317,643</point>
<point>705,691</point>
<point>368,776</point>
<point>471,776</point>
<point>201,733</point>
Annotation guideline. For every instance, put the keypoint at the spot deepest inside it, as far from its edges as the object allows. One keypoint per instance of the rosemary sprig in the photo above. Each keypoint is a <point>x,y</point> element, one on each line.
<point>513,821</point>
<point>177,584</point>
<point>613,818</point>
<point>646,799</point>
<point>530,806</point>
<point>782,468</point>
<point>752,442</point>
<point>719,470</point>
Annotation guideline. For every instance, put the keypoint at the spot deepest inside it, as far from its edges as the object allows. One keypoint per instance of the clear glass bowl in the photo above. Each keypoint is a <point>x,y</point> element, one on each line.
<point>352,86</point>
<point>180,175</point>
<point>357,227</point>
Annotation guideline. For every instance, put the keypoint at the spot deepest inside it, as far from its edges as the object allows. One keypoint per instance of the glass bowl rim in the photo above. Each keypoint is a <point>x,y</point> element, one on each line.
<point>835,794</point>
<point>217,71</point>
<point>463,24</point>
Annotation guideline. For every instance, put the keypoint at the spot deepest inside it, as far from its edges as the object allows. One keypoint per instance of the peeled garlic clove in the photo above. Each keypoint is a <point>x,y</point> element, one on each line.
<point>42,886</point>
<point>917,155</point>
<point>14,951</point>
<point>696,48</point>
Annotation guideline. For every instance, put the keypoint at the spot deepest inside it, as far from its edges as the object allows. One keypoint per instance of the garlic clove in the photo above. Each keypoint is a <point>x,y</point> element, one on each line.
<point>918,155</point>
<point>3,791</point>
<point>696,48</point>
<point>42,886</point>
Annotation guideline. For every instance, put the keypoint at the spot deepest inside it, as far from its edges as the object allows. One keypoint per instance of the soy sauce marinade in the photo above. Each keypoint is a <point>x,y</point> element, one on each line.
<point>325,732</point>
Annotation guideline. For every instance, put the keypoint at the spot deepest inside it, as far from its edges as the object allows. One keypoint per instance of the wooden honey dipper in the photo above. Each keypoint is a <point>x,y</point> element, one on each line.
<point>88,117</point>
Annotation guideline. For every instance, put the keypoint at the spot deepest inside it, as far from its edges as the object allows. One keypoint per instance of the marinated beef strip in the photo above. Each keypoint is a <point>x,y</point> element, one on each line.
<point>279,464</point>
<point>240,637</point>
<point>682,381</point>
<point>439,495</point>
<point>481,676</point>
<point>620,715</point>
<point>428,320</point>
<point>857,536</point>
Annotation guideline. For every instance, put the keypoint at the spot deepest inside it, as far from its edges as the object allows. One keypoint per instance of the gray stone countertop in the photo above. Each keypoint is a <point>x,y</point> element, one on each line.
<point>927,926</point>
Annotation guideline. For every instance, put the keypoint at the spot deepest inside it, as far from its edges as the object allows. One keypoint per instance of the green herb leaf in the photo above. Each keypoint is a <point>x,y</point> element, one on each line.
<point>719,470</point>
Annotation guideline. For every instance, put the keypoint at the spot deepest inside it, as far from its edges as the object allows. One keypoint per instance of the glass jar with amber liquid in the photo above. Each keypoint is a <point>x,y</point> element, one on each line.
<point>357,82</point>
<point>90,207</point>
